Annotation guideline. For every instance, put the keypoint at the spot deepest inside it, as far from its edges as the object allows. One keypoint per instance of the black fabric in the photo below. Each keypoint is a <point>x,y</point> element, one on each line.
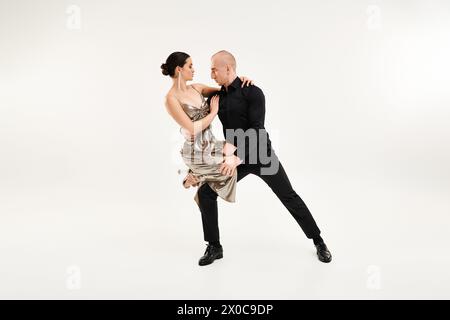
<point>244,108</point>
<point>280,185</point>
<point>318,240</point>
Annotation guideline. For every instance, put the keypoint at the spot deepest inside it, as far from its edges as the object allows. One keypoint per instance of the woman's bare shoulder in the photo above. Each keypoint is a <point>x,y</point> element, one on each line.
<point>170,95</point>
<point>170,99</point>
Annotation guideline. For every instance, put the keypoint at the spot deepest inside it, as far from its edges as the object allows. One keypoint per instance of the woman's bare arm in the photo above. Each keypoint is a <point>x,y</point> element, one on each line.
<point>205,90</point>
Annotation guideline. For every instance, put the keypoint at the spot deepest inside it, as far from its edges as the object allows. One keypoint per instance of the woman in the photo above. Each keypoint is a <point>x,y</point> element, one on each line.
<point>187,105</point>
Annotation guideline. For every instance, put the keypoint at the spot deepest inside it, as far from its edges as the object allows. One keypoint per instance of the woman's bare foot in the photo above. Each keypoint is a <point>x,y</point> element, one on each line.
<point>190,181</point>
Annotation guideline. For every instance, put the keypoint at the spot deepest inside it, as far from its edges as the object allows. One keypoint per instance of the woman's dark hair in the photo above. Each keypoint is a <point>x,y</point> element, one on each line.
<point>176,59</point>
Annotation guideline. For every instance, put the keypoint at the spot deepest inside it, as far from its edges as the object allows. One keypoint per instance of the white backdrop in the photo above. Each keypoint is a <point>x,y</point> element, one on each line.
<point>357,106</point>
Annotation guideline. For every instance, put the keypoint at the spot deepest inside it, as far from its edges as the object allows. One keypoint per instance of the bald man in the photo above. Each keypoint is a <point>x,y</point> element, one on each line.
<point>242,111</point>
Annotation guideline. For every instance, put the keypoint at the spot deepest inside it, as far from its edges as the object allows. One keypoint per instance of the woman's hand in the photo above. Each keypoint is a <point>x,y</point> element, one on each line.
<point>214,104</point>
<point>187,135</point>
<point>246,81</point>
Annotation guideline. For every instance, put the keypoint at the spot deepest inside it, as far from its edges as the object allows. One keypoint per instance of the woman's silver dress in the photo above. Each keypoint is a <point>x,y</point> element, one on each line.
<point>203,156</point>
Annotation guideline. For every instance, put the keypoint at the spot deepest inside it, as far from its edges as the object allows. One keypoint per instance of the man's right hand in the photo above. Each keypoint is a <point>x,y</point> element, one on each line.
<point>228,149</point>
<point>228,166</point>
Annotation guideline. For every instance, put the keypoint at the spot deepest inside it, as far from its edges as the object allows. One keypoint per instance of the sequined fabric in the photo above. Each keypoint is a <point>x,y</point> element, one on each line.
<point>203,156</point>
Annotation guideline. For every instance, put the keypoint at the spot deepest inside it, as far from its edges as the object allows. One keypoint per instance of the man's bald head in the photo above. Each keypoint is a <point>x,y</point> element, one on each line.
<point>226,58</point>
<point>223,67</point>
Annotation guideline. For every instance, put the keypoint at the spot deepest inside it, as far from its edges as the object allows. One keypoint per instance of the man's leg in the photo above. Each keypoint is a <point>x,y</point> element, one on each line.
<point>281,186</point>
<point>208,206</point>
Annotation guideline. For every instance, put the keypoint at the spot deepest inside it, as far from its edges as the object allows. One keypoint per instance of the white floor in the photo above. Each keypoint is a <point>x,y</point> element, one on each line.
<point>388,242</point>
<point>357,108</point>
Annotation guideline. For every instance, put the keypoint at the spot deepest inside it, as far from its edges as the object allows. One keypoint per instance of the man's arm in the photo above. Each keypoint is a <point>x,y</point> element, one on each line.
<point>256,115</point>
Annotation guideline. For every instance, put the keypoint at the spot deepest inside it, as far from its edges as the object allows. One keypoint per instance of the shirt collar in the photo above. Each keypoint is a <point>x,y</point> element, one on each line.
<point>235,84</point>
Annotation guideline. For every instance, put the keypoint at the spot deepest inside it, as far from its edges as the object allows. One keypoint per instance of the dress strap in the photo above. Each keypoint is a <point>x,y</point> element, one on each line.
<point>197,91</point>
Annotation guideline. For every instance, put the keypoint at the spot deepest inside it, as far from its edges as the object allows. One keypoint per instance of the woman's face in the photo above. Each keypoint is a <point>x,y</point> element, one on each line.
<point>187,71</point>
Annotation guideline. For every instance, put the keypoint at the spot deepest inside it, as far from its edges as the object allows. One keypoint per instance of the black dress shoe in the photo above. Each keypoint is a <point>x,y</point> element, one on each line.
<point>212,253</point>
<point>323,253</point>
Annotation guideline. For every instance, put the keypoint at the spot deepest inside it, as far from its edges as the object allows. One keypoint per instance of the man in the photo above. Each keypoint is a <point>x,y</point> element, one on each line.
<point>242,111</point>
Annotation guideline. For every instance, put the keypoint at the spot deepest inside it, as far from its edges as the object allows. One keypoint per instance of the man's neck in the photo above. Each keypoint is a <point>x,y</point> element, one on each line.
<point>231,79</point>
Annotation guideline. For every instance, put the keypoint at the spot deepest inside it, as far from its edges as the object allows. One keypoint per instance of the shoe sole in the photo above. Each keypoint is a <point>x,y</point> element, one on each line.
<point>324,261</point>
<point>220,256</point>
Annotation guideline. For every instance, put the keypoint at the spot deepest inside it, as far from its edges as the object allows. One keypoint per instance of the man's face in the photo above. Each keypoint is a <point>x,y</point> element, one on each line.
<point>219,71</point>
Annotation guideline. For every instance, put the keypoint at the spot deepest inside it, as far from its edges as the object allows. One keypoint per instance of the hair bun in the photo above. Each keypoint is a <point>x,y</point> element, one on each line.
<point>164,69</point>
<point>174,60</point>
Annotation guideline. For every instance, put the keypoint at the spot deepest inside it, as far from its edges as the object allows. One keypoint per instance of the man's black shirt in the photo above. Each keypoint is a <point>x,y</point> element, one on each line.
<point>244,108</point>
